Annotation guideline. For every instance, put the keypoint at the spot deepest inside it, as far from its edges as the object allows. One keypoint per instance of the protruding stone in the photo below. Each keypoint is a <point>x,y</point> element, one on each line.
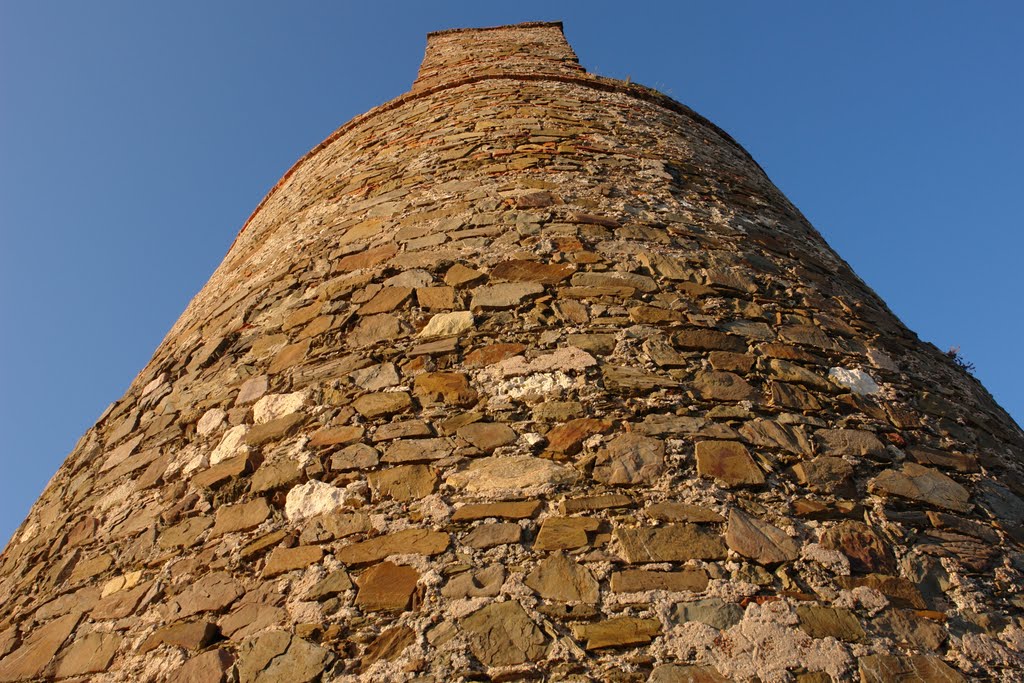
<point>560,578</point>
<point>825,622</point>
<point>91,654</point>
<point>589,503</point>
<point>311,499</point>
<point>386,587</point>
<point>447,325</point>
<point>512,473</point>
<point>383,403</point>
<point>389,645</point>
<point>568,438</point>
<point>488,435</point>
<point>459,276</point>
<point>483,583</point>
<point>335,436</point>
<point>678,673</point>
<point>358,456</point>
<point>630,459</point>
<point>405,542</point>
<point>211,593</point>
<point>565,533</point>
<point>274,406</point>
<point>252,390</point>
<point>504,295</point>
<point>404,483</point>
<point>190,635</point>
<point>867,551</point>
<point>31,659</point>
<point>531,271</point>
<point>714,612</point>
<point>502,634</point>
<point>722,386</point>
<point>208,667</point>
<point>418,450</point>
<point>274,430</point>
<point>618,632</point>
<point>279,656</point>
<point>334,583</point>
<point>840,442</point>
<point>668,511</point>
<point>670,543</point>
<point>759,540</point>
<point>509,510</point>
<point>637,580</point>
<point>286,559</point>
<point>729,463</point>
<point>924,484</point>
<point>825,474</point>
<point>452,388</point>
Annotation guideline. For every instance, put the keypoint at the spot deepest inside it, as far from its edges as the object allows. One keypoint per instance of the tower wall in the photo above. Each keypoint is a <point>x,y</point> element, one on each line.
<point>529,373</point>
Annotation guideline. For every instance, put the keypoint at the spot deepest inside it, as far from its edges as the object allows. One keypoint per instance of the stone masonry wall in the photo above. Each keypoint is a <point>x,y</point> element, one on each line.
<point>529,375</point>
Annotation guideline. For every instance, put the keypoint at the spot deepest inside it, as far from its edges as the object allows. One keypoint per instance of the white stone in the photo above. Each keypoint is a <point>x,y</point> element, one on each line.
<point>29,533</point>
<point>857,381</point>
<point>837,562</point>
<point>129,580</point>
<point>534,387</point>
<point>311,499</point>
<point>568,358</point>
<point>112,586</point>
<point>210,422</point>
<point>532,438</point>
<point>273,406</point>
<point>198,461</point>
<point>447,325</point>
<point>520,472</point>
<point>863,598</point>
<point>232,443</point>
<point>149,388</point>
<point>765,645</point>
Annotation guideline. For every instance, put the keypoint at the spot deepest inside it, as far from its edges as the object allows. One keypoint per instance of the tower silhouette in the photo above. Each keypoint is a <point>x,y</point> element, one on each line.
<point>529,374</point>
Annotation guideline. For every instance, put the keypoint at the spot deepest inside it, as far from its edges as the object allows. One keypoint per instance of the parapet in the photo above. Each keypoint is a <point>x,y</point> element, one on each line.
<point>537,48</point>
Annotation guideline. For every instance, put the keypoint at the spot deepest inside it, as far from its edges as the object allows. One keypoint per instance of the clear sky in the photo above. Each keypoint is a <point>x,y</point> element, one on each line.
<point>135,139</point>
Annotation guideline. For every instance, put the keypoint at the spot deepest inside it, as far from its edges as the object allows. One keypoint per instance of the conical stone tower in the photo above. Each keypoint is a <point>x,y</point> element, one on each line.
<point>529,374</point>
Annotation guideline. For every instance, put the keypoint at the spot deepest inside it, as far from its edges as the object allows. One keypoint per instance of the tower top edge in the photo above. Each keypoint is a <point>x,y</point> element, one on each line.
<point>503,27</point>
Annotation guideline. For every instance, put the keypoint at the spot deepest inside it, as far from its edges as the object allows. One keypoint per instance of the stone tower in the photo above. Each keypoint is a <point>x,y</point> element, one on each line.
<point>529,374</point>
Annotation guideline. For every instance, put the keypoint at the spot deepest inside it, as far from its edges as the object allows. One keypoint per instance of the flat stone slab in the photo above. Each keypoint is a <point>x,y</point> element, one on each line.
<point>405,542</point>
<point>917,482</point>
<point>618,632</point>
<point>507,510</point>
<point>514,473</point>
<point>759,540</point>
<point>502,634</point>
<point>386,587</point>
<point>670,543</point>
<point>638,580</point>
<point>923,668</point>
<point>561,578</point>
<point>729,463</point>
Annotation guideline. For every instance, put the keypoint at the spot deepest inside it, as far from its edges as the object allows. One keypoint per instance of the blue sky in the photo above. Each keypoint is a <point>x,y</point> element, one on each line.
<point>135,139</point>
